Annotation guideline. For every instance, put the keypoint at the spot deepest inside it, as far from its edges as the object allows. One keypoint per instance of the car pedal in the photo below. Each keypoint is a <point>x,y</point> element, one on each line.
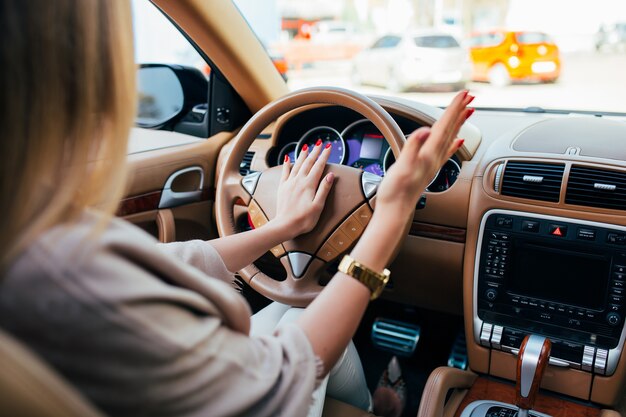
<point>458,354</point>
<point>395,336</point>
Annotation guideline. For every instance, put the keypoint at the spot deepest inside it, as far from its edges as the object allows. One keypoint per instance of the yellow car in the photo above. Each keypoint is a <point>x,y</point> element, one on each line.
<point>503,57</point>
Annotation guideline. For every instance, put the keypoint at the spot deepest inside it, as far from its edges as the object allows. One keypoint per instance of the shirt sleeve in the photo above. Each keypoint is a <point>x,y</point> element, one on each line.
<point>137,346</point>
<point>201,255</point>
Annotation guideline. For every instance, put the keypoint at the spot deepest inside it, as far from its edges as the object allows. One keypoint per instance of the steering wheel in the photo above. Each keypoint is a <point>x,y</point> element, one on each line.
<point>348,208</point>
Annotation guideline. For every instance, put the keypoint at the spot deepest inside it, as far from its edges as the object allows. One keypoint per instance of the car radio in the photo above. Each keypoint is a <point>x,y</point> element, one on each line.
<point>558,277</point>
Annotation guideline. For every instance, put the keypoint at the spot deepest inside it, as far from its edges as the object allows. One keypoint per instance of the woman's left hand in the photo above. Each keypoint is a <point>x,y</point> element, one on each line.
<point>301,194</point>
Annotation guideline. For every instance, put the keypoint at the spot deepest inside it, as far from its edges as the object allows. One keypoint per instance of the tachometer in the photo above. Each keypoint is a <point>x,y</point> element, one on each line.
<point>446,176</point>
<point>388,160</point>
<point>326,135</point>
<point>288,149</point>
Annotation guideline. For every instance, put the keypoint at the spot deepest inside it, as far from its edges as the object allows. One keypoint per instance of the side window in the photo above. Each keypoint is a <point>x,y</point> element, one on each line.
<point>157,40</point>
<point>386,42</point>
<point>392,41</point>
<point>177,89</point>
<point>379,43</point>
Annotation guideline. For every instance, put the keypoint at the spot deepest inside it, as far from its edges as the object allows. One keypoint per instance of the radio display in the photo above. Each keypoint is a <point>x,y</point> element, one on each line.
<point>563,276</point>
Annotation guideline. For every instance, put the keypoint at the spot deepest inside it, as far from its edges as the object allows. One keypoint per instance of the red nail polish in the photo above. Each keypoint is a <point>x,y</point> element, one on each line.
<point>469,113</point>
<point>461,142</point>
<point>286,158</point>
<point>327,145</point>
<point>471,98</point>
<point>305,147</point>
<point>318,143</point>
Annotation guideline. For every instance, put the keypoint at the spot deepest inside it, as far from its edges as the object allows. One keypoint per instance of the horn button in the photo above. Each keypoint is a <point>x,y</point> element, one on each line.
<point>341,223</point>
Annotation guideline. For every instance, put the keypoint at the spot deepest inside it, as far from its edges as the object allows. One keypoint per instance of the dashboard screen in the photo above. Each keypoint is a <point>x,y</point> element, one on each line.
<point>372,146</point>
<point>562,276</point>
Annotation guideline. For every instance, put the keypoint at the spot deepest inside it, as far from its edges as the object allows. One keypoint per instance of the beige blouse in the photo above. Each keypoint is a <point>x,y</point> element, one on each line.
<point>149,329</point>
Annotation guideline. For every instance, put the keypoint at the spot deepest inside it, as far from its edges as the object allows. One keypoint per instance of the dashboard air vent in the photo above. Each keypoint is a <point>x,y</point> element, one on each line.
<point>596,188</point>
<point>536,181</point>
<point>246,163</point>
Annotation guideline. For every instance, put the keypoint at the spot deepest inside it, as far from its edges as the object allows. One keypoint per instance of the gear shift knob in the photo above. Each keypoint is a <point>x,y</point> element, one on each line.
<point>533,358</point>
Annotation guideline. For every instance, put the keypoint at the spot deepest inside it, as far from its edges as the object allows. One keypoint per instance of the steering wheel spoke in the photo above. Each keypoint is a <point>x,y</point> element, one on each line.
<point>370,183</point>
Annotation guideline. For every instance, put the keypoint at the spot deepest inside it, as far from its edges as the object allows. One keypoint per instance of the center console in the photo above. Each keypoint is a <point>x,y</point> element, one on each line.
<point>558,277</point>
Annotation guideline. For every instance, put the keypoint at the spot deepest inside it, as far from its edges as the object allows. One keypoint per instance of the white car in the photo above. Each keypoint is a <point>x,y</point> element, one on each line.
<point>413,61</point>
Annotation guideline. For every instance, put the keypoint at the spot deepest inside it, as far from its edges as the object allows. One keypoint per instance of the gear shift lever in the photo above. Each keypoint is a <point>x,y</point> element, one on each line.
<point>533,358</point>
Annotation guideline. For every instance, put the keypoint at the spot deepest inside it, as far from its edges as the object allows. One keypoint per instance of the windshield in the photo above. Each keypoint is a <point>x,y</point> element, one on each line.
<point>555,55</point>
<point>441,41</point>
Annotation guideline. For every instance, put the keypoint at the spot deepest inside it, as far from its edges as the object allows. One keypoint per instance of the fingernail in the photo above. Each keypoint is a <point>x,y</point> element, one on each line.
<point>461,142</point>
<point>318,143</point>
<point>286,158</point>
<point>330,177</point>
<point>471,98</point>
<point>465,92</point>
<point>327,145</point>
<point>305,147</point>
<point>469,113</point>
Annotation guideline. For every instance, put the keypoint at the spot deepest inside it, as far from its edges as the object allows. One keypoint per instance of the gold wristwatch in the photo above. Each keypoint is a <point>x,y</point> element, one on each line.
<point>371,279</point>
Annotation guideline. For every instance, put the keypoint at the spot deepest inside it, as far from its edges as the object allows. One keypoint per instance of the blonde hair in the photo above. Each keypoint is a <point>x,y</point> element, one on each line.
<point>67,100</point>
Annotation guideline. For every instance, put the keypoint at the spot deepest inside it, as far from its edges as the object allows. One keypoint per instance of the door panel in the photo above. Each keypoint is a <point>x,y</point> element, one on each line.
<point>148,174</point>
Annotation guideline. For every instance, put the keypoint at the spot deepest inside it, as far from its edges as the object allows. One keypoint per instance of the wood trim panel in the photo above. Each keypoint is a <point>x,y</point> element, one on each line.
<point>435,231</point>
<point>150,201</point>
<point>139,203</point>
<point>486,389</point>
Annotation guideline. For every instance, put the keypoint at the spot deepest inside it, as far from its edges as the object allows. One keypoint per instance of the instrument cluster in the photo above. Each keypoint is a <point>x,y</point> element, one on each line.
<point>361,145</point>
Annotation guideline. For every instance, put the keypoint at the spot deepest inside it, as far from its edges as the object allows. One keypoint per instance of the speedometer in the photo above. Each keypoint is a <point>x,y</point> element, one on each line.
<point>326,135</point>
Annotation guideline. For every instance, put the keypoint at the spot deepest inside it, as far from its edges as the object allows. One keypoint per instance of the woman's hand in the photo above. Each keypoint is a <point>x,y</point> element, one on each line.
<point>424,153</point>
<point>332,318</point>
<point>301,194</point>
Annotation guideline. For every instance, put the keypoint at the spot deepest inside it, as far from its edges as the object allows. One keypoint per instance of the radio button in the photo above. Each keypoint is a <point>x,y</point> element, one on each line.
<point>560,309</point>
<point>618,284</point>
<point>617,291</point>
<point>615,307</point>
<point>504,222</point>
<point>552,307</point>
<point>491,294</point>
<point>530,226</point>
<point>619,276</point>
<point>523,301</point>
<point>616,238</point>
<point>573,322</point>
<point>533,303</point>
<point>580,313</point>
<point>616,299</point>
<point>493,277</point>
<point>613,318</point>
<point>590,315</point>
<point>620,268</point>
<point>586,234</point>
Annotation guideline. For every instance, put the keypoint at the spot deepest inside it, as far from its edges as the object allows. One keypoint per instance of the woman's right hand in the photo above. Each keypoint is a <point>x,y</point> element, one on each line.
<point>424,152</point>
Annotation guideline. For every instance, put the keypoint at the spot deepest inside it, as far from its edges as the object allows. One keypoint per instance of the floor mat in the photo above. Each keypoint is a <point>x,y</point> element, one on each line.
<point>438,332</point>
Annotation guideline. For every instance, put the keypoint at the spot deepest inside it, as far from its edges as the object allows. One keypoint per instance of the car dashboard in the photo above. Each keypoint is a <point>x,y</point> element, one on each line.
<point>553,171</point>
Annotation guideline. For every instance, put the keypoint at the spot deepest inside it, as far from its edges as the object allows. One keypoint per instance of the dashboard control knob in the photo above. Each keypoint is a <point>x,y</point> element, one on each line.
<point>491,294</point>
<point>613,318</point>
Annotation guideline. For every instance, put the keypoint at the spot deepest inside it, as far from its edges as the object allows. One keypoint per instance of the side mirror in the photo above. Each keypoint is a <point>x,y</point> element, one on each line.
<point>172,97</point>
<point>159,96</point>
